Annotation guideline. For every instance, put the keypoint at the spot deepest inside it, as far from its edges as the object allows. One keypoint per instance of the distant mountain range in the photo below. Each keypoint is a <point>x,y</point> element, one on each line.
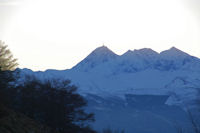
<point>139,71</point>
<point>144,72</point>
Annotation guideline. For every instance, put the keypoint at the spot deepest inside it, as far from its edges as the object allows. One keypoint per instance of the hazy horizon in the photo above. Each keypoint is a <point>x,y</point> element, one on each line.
<point>60,33</point>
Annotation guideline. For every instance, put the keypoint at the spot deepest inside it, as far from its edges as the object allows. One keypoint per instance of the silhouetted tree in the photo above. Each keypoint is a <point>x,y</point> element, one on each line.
<point>7,62</point>
<point>7,65</point>
<point>56,104</point>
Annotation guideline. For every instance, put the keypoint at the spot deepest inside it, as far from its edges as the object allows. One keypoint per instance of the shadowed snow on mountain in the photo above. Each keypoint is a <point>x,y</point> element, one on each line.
<point>173,52</point>
<point>103,71</point>
<point>137,60</point>
<point>99,56</point>
<point>118,85</point>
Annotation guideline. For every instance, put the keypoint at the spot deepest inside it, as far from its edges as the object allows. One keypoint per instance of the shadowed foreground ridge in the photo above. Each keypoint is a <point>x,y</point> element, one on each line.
<point>12,122</point>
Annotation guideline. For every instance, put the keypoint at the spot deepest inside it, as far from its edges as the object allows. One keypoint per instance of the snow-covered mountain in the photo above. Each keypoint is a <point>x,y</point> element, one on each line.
<point>142,71</point>
<point>97,57</point>
<point>105,77</point>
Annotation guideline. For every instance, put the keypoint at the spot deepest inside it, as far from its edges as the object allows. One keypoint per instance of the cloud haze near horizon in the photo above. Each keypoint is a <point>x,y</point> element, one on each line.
<point>61,33</point>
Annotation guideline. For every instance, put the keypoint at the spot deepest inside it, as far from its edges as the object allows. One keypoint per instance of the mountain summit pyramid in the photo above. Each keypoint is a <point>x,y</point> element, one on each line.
<point>98,56</point>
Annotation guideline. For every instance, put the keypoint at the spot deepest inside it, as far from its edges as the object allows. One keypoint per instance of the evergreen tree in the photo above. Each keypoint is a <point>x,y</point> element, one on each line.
<point>7,65</point>
<point>7,62</point>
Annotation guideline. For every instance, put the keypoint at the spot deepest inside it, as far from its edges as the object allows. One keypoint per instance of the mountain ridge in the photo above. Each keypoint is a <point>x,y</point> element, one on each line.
<point>134,83</point>
<point>102,71</point>
<point>136,60</point>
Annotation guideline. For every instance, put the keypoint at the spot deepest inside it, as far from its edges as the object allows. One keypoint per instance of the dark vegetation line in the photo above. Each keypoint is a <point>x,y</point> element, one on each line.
<point>53,104</point>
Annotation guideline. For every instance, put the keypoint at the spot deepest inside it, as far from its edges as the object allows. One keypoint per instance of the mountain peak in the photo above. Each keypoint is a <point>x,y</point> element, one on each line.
<point>173,51</point>
<point>141,52</point>
<point>173,48</point>
<point>102,50</point>
<point>98,56</point>
<point>146,51</point>
<point>127,53</point>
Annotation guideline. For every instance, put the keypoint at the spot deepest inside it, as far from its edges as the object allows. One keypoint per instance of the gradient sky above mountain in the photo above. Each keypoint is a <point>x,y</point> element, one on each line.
<point>57,34</point>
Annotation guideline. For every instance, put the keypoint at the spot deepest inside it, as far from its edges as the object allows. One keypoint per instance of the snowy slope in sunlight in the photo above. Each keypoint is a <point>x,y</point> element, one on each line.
<point>172,72</point>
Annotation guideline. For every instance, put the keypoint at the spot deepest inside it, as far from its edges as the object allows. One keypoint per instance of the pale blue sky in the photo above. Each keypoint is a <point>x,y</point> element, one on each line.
<point>57,34</point>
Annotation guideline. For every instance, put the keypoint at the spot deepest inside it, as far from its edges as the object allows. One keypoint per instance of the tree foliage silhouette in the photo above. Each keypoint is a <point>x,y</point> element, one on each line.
<point>7,65</point>
<point>53,103</point>
<point>56,104</point>
<point>7,62</point>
